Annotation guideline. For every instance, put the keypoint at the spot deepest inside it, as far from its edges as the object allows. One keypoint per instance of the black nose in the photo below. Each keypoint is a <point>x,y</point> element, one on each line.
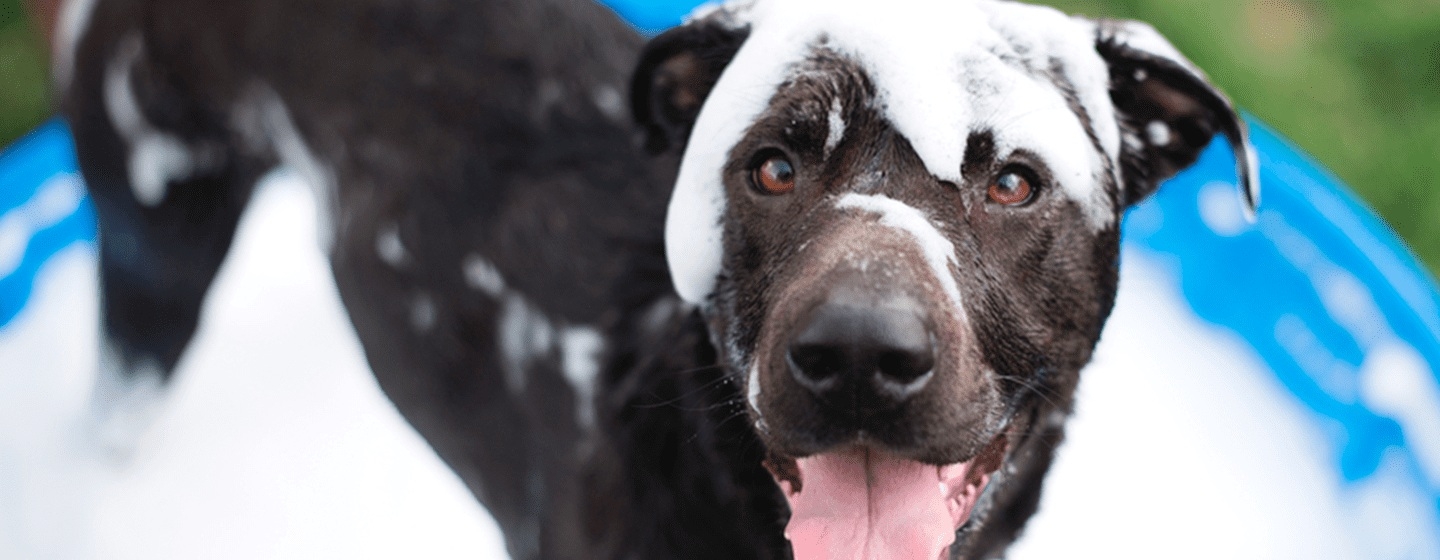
<point>880,351</point>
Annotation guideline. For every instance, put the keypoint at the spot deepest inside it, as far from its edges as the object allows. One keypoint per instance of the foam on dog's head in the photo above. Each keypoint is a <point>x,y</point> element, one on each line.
<point>942,70</point>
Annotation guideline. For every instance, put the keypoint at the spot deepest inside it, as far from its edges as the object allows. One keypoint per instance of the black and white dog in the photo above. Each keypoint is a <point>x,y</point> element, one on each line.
<point>901,222</point>
<point>893,233</point>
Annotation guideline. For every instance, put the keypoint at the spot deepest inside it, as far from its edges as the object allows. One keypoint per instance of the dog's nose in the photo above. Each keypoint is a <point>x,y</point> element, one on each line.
<point>873,351</point>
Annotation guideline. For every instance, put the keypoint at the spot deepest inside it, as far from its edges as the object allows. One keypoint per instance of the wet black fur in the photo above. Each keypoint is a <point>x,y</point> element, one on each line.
<point>427,114</point>
<point>431,116</point>
<point>1035,326</point>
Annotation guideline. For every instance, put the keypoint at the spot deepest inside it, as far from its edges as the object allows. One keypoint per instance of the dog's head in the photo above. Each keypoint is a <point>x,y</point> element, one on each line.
<point>902,219</point>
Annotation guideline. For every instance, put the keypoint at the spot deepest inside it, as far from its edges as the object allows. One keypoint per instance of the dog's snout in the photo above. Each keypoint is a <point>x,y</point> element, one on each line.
<point>882,352</point>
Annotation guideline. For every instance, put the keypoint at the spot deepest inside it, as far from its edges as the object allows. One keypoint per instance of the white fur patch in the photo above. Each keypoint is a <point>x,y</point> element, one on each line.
<point>264,122</point>
<point>580,351</point>
<point>389,247</point>
<point>422,313</point>
<point>155,158</point>
<point>482,275</point>
<point>939,251</point>
<point>752,395</point>
<point>942,70</point>
<point>836,126</point>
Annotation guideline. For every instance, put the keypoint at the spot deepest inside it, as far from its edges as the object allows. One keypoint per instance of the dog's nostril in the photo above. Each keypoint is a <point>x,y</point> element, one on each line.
<point>816,365</point>
<point>905,366</point>
<point>884,350</point>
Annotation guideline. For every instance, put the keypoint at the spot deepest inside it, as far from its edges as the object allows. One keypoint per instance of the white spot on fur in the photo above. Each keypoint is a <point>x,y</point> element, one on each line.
<point>752,394</point>
<point>941,70</point>
<point>264,122</point>
<point>482,275</point>
<point>422,313</point>
<point>1159,133</point>
<point>608,99</point>
<point>581,348</point>
<point>939,251</point>
<point>155,158</point>
<point>525,333</point>
<point>836,126</point>
<point>73,22</point>
<point>389,247</point>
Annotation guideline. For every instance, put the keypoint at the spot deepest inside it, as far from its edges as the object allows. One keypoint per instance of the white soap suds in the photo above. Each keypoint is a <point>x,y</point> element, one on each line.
<point>389,247</point>
<point>1159,133</point>
<point>942,71</point>
<point>74,20</point>
<point>836,126</point>
<point>752,393</point>
<point>608,99</point>
<point>939,251</point>
<point>280,131</point>
<point>482,275</point>
<point>581,348</point>
<point>422,313</point>
<point>525,333</point>
<point>125,401</point>
<point>155,158</point>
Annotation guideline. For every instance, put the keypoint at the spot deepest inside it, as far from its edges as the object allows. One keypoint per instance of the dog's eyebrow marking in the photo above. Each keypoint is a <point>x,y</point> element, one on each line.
<point>389,247</point>
<point>74,21</point>
<point>835,124</point>
<point>939,251</point>
<point>156,158</point>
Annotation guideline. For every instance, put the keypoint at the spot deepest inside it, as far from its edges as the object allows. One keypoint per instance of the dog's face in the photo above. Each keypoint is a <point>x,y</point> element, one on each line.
<point>902,218</point>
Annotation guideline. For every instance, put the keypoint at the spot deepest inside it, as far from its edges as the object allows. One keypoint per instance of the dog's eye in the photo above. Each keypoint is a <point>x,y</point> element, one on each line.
<point>1013,187</point>
<point>774,175</point>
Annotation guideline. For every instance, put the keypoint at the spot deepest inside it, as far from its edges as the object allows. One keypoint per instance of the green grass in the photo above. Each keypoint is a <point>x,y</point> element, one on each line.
<point>1356,83</point>
<point>24,98</point>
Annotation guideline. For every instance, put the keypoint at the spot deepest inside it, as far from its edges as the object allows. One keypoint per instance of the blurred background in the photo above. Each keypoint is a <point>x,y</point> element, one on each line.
<point>1355,83</point>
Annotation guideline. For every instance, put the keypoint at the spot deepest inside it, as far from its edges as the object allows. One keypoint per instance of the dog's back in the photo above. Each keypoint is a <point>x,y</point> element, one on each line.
<point>488,211</point>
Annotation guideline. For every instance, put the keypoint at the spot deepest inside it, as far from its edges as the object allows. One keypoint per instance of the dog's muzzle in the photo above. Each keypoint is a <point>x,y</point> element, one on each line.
<point>859,353</point>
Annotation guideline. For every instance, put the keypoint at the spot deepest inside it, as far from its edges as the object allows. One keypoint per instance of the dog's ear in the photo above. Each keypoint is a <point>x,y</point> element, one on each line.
<point>1168,111</point>
<point>675,75</point>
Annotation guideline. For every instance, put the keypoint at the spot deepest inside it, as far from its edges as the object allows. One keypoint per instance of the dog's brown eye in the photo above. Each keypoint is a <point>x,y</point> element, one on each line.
<point>1011,188</point>
<point>775,175</point>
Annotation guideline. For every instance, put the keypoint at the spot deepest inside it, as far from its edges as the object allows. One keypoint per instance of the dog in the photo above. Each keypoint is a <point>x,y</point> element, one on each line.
<point>835,244</point>
<point>901,223</point>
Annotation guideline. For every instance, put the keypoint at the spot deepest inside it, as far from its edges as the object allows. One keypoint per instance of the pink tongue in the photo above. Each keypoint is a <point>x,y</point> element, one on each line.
<point>862,504</point>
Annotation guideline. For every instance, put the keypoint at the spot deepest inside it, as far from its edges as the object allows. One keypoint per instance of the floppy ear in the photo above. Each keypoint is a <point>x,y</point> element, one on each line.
<point>1168,111</point>
<point>675,74</point>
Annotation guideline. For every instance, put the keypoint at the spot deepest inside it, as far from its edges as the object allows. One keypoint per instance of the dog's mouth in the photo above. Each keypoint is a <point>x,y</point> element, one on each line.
<point>864,503</point>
